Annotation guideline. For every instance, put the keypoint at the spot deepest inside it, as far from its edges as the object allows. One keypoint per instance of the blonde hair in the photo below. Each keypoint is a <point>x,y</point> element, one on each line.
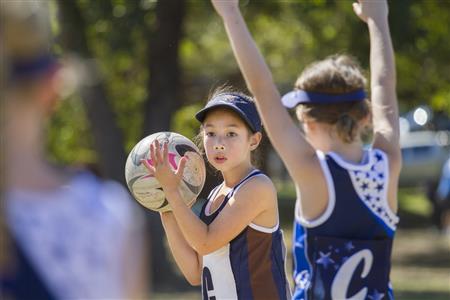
<point>336,74</point>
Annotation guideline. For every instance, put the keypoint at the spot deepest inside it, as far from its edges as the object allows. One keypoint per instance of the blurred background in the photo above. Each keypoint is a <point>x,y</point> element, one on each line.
<point>143,66</point>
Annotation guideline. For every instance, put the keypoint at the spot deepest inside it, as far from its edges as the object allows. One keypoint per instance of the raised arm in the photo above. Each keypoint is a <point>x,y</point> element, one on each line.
<point>383,85</point>
<point>284,134</point>
<point>382,78</point>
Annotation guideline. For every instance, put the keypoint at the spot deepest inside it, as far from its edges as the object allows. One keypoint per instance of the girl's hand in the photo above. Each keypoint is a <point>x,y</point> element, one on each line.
<point>375,10</point>
<point>223,7</point>
<point>159,165</point>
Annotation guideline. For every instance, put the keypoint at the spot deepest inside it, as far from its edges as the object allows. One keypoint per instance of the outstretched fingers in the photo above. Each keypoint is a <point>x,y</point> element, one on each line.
<point>181,166</point>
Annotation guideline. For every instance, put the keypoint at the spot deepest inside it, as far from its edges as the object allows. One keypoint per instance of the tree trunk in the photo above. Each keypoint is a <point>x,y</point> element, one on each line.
<point>108,139</point>
<point>163,99</point>
<point>163,65</point>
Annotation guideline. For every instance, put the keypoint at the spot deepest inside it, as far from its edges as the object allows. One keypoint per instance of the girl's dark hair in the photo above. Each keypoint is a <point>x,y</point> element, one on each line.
<point>224,89</point>
<point>335,75</point>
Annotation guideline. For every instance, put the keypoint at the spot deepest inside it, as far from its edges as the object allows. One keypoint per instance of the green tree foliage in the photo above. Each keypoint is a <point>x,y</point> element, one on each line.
<point>421,37</point>
<point>64,132</point>
<point>291,34</point>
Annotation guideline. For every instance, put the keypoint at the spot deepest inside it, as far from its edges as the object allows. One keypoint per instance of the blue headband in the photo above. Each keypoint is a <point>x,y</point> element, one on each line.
<point>26,69</point>
<point>296,97</point>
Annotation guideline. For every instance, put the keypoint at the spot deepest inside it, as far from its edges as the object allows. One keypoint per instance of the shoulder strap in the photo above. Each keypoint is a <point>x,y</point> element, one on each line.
<point>213,191</point>
<point>241,183</point>
<point>206,205</point>
<point>233,191</point>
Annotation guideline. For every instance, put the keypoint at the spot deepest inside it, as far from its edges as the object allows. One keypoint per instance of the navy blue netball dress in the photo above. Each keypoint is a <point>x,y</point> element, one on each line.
<point>251,266</point>
<point>345,253</point>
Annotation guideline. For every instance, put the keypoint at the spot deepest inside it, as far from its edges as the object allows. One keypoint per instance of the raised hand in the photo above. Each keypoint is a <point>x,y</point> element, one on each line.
<point>159,165</point>
<point>375,10</point>
<point>222,7</point>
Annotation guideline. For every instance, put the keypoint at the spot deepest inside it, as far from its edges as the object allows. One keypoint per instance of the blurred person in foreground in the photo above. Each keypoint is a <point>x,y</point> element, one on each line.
<point>65,233</point>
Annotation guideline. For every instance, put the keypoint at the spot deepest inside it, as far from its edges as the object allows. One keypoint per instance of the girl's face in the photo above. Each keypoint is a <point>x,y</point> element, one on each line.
<point>227,140</point>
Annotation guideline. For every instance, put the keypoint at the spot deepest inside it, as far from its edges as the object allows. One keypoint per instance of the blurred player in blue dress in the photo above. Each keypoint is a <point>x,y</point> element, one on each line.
<point>65,233</point>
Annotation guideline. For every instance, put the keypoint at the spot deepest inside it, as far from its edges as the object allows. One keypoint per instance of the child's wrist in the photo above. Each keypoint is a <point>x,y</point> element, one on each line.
<point>173,196</point>
<point>229,12</point>
<point>377,21</point>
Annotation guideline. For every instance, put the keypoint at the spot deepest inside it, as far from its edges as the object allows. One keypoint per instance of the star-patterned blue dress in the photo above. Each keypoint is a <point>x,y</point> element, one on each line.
<point>345,253</point>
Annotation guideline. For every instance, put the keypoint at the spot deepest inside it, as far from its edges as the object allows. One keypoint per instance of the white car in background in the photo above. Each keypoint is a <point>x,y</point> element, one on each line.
<point>424,153</point>
<point>425,146</point>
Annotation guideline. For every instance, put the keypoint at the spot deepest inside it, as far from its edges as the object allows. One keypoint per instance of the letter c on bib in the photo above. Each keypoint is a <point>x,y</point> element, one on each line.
<point>342,279</point>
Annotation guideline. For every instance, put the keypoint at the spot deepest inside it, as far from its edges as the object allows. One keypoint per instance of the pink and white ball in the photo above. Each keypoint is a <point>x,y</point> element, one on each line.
<point>146,189</point>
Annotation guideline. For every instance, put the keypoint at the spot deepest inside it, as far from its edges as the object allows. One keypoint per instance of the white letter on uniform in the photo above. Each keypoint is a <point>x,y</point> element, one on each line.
<point>341,282</point>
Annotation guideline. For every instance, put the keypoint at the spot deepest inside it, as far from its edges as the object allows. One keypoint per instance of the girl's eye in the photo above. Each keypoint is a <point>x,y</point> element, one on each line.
<point>232,134</point>
<point>210,134</point>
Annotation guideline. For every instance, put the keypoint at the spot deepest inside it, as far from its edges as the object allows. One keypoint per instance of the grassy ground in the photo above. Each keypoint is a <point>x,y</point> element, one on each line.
<point>420,259</point>
<point>421,265</point>
<point>421,255</point>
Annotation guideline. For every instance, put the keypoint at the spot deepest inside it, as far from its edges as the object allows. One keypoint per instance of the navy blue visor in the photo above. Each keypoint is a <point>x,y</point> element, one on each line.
<point>238,103</point>
<point>296,97</point>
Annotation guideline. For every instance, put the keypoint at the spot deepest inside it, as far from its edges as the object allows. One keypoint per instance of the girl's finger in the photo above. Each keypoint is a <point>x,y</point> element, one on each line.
<point>152,155</point>
<point>158,152</point>
<point>181,166</point>
<point>357,8</point>
<point>147,165</point>
<point>165,151</point>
